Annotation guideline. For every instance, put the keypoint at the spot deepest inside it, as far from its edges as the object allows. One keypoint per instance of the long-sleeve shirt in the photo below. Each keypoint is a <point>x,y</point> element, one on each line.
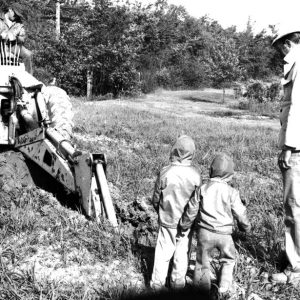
<point>216,204</point>
<point>174,187</point>
<point>290,109</point>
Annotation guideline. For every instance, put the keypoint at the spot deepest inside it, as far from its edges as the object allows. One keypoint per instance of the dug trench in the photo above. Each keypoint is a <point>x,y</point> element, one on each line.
<point>44,233</point>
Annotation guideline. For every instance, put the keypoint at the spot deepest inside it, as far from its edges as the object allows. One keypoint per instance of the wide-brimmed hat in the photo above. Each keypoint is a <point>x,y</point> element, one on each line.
<point>285,30</point>
<point>17,9</point>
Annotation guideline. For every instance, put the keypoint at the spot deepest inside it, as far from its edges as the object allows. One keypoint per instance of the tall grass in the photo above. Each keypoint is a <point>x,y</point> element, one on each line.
<point>144,141</point>
<point>268,109</point>
<point>137,143</point>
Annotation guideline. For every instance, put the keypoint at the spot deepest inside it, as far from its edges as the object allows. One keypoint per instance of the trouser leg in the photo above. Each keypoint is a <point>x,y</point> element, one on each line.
<point>164,250</point>
<point>180,261</point>
<point>227,260</point>
<point>202,269</point>
<point>291,197</point>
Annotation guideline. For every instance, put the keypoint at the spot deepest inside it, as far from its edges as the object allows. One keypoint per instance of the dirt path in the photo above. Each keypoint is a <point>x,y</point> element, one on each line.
<point>194,104</point>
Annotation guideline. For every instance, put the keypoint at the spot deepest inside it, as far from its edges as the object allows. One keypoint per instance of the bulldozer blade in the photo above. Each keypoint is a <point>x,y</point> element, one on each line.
<point>83,182</point>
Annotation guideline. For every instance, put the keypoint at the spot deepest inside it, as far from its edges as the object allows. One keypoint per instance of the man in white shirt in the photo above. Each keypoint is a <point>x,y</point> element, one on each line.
<point>287,43</point>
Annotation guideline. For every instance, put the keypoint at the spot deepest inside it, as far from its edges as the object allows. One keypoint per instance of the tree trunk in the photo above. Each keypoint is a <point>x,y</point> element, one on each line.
<point>57,19</point>
<point>223,99</point>
<point>89,87</point>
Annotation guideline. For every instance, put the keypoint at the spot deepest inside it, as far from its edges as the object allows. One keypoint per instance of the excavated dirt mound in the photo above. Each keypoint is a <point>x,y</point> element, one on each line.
<point>73,258</point>
<point>14,171</point>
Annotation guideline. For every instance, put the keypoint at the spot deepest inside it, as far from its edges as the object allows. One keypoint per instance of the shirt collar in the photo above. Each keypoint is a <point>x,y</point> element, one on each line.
<point>183,163</point>
<point>290,59</point>
<point>217,179</point>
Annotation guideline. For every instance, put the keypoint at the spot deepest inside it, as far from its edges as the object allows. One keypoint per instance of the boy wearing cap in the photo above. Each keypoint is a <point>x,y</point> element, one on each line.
<point>174,187</point>
<point>215,205</point>
<point>287,43</point>
<point>12,30</point>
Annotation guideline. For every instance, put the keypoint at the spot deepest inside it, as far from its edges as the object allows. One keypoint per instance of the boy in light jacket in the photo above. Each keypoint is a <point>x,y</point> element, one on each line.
<point>216,204</point>
<point>175,186</point>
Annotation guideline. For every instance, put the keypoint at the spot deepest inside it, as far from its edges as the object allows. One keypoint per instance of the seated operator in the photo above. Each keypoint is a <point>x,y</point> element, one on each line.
<point>12,30</point>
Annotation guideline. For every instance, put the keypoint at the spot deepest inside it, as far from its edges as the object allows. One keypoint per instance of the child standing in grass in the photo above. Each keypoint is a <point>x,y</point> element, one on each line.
<point>175,186</point>
<point>216,204</point>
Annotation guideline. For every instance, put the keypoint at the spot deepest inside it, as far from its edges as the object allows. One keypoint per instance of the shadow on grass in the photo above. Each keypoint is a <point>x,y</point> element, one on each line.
<point>184,294</point>
<point>274,255</point>
<point>146,254</point>
<point>226,113</point>
<point>197,99</point>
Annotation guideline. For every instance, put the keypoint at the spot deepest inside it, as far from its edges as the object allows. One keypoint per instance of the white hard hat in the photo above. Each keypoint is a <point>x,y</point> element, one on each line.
<point>285,30</point>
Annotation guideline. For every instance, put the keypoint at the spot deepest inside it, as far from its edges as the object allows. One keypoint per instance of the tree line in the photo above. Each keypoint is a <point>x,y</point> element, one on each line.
<point>133,47</point>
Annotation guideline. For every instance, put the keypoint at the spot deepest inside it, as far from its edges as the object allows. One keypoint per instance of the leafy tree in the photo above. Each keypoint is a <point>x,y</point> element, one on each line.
<point>129,46</point>
<point>224,63</point>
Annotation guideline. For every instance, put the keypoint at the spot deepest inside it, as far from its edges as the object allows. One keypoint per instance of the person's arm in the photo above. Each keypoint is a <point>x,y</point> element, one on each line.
<point>284,157</point>
<point>239,212</point>
<point>20,37</point>
<point>191,211</point>
<point>3,31</point>
<point>292,140</point>
<point>156,193</point>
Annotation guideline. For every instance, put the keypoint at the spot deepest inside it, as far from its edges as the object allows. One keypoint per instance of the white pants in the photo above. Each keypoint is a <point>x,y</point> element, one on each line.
<point>167,246</point>
<point>291,196</point>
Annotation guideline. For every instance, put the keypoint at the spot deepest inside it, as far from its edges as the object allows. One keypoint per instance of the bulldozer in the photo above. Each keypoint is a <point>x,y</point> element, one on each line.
<point>26,125</point>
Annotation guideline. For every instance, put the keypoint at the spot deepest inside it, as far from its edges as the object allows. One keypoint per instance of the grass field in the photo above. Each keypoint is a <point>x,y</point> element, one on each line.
<point>136,135</point>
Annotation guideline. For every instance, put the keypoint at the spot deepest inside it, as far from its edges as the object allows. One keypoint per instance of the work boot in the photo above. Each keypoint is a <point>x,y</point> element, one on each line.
<point>294,279</point>
<point>279,278</point>
<point>286,277</point>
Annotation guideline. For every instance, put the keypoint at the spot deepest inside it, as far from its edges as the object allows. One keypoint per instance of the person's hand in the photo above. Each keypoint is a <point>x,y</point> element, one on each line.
<point>11,37</point>
<point>283,159</point>
<point>4,35</point>
<point>180,233</point>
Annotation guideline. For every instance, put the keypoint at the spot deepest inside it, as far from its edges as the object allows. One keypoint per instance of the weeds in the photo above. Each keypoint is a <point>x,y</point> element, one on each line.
<point>144,141</point>
<point>269,109</point>
<point>137,142</point>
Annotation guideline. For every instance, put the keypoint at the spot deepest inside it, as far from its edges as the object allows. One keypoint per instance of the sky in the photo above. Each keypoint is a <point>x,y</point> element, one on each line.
<point>236,12</point>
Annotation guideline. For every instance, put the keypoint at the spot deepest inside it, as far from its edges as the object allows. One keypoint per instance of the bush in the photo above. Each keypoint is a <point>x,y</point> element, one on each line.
<point>261,92</point>
<point>163,77</point>
<point>257,91</point>
<point>273,92</point>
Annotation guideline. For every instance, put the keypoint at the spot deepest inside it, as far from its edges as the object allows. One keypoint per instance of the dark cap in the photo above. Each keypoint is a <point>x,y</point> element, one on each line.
<point>222,166</point>
<point>183,149</point>
<point>16,7</point>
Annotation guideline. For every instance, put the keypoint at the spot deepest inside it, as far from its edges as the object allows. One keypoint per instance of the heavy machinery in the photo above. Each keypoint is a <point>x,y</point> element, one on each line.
<point>28,123</point>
